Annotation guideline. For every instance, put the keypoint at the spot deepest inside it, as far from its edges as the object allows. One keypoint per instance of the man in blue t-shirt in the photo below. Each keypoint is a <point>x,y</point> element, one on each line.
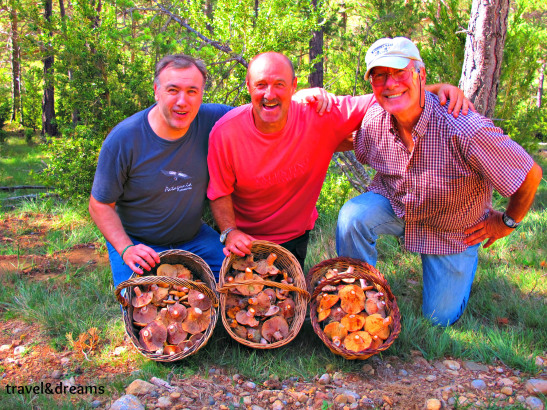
<point>151,178</point>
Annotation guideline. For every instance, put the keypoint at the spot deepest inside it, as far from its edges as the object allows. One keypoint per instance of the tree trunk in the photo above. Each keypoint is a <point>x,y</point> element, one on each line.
<point>316,49</point>
<point>483,53</point>
<point>48,100</point>
<point>15,66</point>
<point>540,85</point>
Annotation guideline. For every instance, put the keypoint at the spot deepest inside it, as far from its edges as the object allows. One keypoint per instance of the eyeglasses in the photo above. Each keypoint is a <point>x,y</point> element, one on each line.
<point>379,79</point>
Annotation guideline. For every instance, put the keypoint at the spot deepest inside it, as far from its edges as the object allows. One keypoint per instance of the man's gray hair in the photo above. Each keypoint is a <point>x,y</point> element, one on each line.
<point>418,65</point>
<point>179,61</point>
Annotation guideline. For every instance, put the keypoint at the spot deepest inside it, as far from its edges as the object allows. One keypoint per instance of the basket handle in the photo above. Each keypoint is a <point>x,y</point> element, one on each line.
<point>284,286</point>
<point>148,280</point>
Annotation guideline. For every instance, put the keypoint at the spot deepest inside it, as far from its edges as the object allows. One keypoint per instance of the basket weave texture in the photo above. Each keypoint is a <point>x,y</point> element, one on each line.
<point>362,270</point>
<point>199,269</point>
<point>285,261</point>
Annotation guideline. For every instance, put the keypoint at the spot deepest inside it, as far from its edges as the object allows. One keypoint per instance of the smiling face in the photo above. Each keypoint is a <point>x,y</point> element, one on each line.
<point>178,92</point>
<point>401,98</point>
<point>271,83</point>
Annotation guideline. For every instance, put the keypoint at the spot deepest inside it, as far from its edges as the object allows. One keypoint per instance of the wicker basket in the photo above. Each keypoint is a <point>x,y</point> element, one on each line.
<point>364,271</point>
<point>285,261</point>
<point>199,269</point>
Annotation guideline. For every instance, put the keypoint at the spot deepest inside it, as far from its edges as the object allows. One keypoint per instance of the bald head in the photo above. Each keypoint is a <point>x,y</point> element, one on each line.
<point>273,58</point>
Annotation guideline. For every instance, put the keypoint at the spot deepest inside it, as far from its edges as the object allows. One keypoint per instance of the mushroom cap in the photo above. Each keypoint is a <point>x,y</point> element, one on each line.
<point>195,338</point>
<point>158,293</point>
<point>357,341</point>
<point>141,298</point>
<point>196,321</point>
<point>274,310</point>
<point>335,329</point>
<point>242,263</point>
<point>261,303</point>
<point>186,345</point>
<point>171,350</point>
<point>246,317</point>
<point>377,325</point>
<point>175,333</point>
<point>153,336</point>
<point>352,299</point>
<point>176,312</point>
<point>239,330</point>
<point>287,307</point>
<point>233,300</point>
<point>323,314</point>
<point>252,289</point>
<point>271,294</point>
<point>266,267</point>
<point>145,314</point>
<point>328,301</point>
<point>254,334</point>
<point>336,314</point>
<point>275,329</point>
<point>166,269</point>
<point>182,271</point>
<point>199,300</point>
<point>353,322</point>
<point>371,306</point>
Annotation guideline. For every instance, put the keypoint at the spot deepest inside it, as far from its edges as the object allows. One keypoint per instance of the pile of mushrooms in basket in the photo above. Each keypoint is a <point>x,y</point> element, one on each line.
<point>171,318</point>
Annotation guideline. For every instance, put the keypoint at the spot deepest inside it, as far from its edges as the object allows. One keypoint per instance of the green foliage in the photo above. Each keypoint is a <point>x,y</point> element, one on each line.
<point>527,127</point>
<point>72,161</point>
<point>5,111</point>
<point>32,101</point>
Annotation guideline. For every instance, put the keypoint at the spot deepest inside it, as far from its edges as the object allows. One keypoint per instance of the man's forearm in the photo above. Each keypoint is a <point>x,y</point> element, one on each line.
<point>223,212</point>
<point>109,223</point>
<point>522,199</point>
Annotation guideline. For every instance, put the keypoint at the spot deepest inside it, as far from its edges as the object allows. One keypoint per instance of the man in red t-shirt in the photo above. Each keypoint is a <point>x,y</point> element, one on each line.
<point>268,159</point>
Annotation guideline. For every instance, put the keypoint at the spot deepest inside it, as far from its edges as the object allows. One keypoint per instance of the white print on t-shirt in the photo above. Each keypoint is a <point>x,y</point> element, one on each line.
<point>179,188</point>
<point>175,174</point>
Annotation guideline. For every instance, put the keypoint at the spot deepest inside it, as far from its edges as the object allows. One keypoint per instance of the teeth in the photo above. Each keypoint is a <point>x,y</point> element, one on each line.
<point>394,95</point>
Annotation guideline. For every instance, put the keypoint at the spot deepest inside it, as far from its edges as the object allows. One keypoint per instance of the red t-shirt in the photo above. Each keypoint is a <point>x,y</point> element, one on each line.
<point>275,179</point>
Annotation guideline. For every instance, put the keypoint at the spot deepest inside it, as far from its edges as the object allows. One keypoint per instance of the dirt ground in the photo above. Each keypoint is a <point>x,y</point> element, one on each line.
<point>26,358</point>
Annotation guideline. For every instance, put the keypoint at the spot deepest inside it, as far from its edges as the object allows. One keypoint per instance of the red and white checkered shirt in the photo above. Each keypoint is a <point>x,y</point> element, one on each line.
<point>445,184</point>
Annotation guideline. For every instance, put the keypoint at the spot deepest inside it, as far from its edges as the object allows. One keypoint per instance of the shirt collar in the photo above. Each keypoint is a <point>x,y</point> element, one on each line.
<point>421,126</point>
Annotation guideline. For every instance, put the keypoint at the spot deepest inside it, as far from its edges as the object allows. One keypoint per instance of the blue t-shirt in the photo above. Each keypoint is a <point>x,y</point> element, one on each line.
<point>159,186</point>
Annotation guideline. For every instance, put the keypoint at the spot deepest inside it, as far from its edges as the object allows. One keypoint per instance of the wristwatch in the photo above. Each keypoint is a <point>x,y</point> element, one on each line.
<point>510,222</point>
<point>225,233</point>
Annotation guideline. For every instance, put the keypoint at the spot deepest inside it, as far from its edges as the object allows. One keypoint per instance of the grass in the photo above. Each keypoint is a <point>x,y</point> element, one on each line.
<point>506,319</point>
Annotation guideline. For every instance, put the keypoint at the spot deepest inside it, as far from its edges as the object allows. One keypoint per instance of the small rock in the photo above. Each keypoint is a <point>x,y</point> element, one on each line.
<point>95,404</point>
<point>127,402</point>
<point>368,369</point>
<point>69,382</point>
<point>155,394</point>
<point>236,377</point>
<point>119,350</point>
<point>431,378</point>
<point>366,403</point>
<point>478,384</point>
<point>433,404</point>
<point>463,400</point>
<point>301,397</point>
<point>535,386</point>
<point>422,362</point>
<point>65,361</point>
<point>475,367</point>
<point>164,402</point>
<point>4,348</point>
<point>499,370</point>
<point>324,379</point>
<point>139,387</point>
<point>534,403</point>
<point>247,400</point>
<point>255,407</point>
<point>338,376</point>
<point>505,382</point>
<point>507,390</point>
<point>175,395</point>
<point>56,374</point>
<point>278,405</point>
<point>451,364</point>
<point>539,361</point>
<point>19,350</point>
<point>341,399</point>
<point>403,373</point>
<point>250,385</point>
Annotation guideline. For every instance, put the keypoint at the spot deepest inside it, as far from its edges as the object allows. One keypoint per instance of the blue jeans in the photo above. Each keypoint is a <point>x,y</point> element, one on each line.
<point>447,278</point>
<point>206,244</point>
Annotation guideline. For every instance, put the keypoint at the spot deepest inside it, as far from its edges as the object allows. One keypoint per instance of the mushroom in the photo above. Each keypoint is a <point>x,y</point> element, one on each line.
<point>153,336</point>
<point>247,318</point>
<point>186,345</point>
<point>323,314</point>
<point>265,267</point>
<point>199,300</point>
<point>142,298</point>
<point>175,333</point>
<point>374,304</point>
<point>196,320</point>
<point>376,342</point>
<point>261,303</point>
<point>352,299</point>
<point>250,289</point>
<point>182,271</point>
<point>171,350</point>
<point>254,334</point>
<point>376,325</point>
<point>349,270</point>
<point>235,301</point>
<point>232,312</point>
<point>336,332</point>
<point>145,314</point>
<point>170,300</point>
<point>244,263</point>
<point>158,293</point>
<point>287,307</point>
<point>166,269</point>
<point>195,338</point>
<point>271,294</point>
<point>357,341</point>
<point>328,301</point>
<point>275,328</point>
<point>336,314</point>
<point>273,310</point>
<point>176,312</point>
<point>353,322</point>
<point>239,330</point>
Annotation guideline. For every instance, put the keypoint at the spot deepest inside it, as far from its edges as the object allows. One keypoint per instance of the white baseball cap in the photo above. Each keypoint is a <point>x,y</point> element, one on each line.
<point>391,52</point>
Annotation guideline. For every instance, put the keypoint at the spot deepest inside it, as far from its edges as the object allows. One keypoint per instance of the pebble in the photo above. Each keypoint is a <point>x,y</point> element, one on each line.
<point>164,402</point>
<point>19,350</point>
<point>507,390</point>
<point>56,374</point>
<point>341,399</point>
<point>236,377</point>
<point>478,384</point>
<point>451,364</point>
<point>535,386</point>
<point>505,382</point>
<point>368,369</point>
<point>278,405</point>
<point>250,385</point>
<point>348,393</point>
<point>140,387</point>
<point>499,370</point>
<point>475,367</point>
<point>65,361</point>
<point>95,404</point>
<point>324,379</point>
<point>403,373</point>
<point>534,403</point>
<point>255,407</point>
<point>4,348</point>
<point>433,404</point>
<point>69,382</point>
<point>431,378</point>
<point>175,395</point>
<point>127,402</point>
<point>120,350</point>
<point>247,400</point>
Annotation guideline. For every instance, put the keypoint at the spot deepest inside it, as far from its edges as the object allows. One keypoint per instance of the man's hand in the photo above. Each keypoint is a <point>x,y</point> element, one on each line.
<point>492,228</point>
<point>238,242</point>
<point>457,100</point>
<point>140,256</point>
<point>323,100</point>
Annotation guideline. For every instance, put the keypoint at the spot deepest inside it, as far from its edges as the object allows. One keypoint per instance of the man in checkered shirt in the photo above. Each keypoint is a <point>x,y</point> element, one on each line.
<point>434,180</point>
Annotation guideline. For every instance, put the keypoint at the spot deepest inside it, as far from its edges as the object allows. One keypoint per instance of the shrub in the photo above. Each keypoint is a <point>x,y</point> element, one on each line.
<point>527,127</point>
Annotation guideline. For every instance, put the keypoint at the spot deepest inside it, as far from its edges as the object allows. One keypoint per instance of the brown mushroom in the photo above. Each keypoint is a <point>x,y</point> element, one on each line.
<point>261,303</point>
<point>335,331</point>
<point>153,336</point>
<point>271,294</point>
<point>176,312</point>
<point>287,307</point>
<point>158,293</point>
<point>376,325</point>
<point>166,269</point>
<point>273,310</point>
<point>199,300</point>
<point>195,338</point>
<point>182,271</point>
<point>249,289</point>
<point>170,300</point>
<point>275,329</point>
<point>357,341</point>
<point>235,300</point>
<point>196,320</point>
<point>352,299</point>
<point>336,314</point>
<point>244,263</point>
<point>353,322</point>
<point>265,267</point>
<point>145,314</point>
<point>141,298</point>
<point>247,318</point>
<point>171,350</point>
<point>186,345</point>
<point>239,330</point>
<point>254,334</point>
<point>175,333</point>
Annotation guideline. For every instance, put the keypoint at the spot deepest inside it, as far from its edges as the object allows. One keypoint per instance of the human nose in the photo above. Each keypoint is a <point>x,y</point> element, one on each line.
<point>390,81</point>
<point>181,98</point>
<point>269,92</point>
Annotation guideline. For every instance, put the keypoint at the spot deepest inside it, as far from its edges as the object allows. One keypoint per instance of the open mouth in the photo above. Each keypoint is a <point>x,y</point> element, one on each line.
<point>394,95</point>
<point>181,113</point>
<point>270,105</point>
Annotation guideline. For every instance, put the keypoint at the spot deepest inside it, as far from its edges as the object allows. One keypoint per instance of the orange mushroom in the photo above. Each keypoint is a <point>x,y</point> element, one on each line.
<point>328,301</point>
<point>249,289</point>
<point>153,336</point>
<point>353,322</point>
<point>182,271</point>
<point>323,314</point>
<point>287,307</point>
<point>244,263</point>
<point>199,300</point>
<point>145,314</point>
<point>171,350</point>
<point>352,299</point>
<point>196,320</point>
<point>261,303</point>
<point>141,298</point>
<point>265,267</point>
<point>166,269</point>
<point>175,333</point>
<point>247,318</point>
<point>275,329</point>
<point>357,341</point>
<point>377,325</point>
<point>335,331</point>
